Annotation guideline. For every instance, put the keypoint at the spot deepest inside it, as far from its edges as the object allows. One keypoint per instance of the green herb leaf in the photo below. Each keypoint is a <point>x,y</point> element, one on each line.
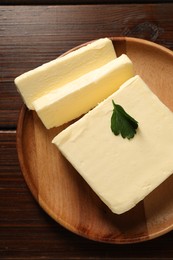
<point>122,123</point>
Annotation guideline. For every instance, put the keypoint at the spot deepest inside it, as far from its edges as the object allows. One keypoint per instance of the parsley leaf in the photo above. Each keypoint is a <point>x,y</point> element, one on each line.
<point>122,123</point>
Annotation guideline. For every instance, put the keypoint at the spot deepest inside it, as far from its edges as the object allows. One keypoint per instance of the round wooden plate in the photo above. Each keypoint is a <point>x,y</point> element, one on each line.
<point>62,192</point>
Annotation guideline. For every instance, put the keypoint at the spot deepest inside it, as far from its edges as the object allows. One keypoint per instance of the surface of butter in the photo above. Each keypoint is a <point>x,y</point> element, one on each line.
<point>121,171</point>
<point>37,82</point>
<point>78,97</point>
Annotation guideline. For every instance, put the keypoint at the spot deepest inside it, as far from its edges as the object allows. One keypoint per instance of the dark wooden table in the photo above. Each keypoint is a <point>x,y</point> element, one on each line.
<point>29,36</point>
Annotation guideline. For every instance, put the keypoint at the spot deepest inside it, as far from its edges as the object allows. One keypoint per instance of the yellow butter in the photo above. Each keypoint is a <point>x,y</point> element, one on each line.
<point>122,172</point>
<point>78,97</point>
<point>37,82</point>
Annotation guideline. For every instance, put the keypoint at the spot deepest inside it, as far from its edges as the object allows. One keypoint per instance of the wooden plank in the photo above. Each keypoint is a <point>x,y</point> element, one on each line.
<point>32,35</point>
<point>79,2</point>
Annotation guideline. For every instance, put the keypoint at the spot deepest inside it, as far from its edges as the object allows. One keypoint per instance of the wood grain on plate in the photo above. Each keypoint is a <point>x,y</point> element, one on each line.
<point>62,192</point>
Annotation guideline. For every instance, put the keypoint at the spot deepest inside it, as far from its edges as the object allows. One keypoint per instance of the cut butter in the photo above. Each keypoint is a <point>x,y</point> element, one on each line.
<point>121,171</point>
<point>35,83</point>
<point>79,96</point>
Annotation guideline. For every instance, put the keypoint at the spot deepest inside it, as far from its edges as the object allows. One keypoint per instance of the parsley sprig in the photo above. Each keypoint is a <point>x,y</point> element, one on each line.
<point>122,123</point>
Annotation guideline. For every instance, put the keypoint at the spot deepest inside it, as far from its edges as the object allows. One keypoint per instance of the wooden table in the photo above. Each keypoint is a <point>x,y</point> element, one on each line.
<point>29,36</point>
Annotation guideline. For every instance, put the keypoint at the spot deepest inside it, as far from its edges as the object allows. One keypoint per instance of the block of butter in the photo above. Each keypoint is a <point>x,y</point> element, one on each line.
<point>37,82</point>
<point>121,171</point>
<point>79,96</point>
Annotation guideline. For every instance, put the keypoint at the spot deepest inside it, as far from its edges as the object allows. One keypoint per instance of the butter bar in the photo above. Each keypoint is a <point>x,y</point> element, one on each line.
<point>56,73</point>
<point>77,97</point>
<point>122,172</point>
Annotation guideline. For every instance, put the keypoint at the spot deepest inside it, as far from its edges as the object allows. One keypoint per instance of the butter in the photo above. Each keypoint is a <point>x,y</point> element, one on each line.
<point>122,172</point>
<point>78,97</point>
<point>56,73</point>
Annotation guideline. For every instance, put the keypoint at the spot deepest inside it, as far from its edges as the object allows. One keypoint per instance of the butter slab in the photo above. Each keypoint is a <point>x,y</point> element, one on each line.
<point>39,81</point>
<point>122,172</point>
<point>77,97</point>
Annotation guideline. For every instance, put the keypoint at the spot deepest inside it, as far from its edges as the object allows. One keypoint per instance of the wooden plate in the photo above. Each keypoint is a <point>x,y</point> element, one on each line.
<point>62,192</point>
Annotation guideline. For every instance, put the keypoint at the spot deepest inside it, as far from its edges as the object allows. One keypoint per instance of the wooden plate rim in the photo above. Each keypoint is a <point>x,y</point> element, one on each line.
<point>19,135</point>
